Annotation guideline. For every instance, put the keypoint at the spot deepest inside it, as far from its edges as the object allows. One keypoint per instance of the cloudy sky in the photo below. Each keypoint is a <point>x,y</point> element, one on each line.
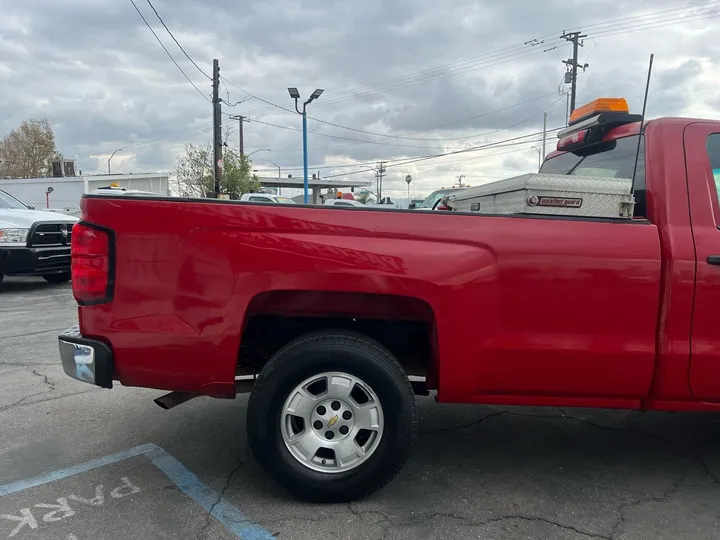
<point>403,79</point>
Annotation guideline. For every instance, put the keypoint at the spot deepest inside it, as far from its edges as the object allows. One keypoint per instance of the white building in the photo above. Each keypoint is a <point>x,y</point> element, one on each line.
<point>63,194</point>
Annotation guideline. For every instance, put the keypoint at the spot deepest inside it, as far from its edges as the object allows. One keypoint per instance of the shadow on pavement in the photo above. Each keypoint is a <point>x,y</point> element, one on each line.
<point>485,472</point>
<point>24,285</point>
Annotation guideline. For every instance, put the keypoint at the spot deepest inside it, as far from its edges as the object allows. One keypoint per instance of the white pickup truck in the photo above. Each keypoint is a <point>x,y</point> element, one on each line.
<point>32,242</point>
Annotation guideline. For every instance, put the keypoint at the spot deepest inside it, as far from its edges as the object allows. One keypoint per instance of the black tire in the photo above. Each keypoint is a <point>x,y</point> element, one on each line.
<point>315,353</point>
<point>63,277</point>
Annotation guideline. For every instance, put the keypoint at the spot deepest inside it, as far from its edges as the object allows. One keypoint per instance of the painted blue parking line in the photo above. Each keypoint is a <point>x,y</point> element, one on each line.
<point>227,514</point>
<point>7,489</point>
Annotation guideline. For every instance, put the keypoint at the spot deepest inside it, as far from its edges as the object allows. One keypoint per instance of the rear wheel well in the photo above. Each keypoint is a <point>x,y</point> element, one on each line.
<point>407,331</point>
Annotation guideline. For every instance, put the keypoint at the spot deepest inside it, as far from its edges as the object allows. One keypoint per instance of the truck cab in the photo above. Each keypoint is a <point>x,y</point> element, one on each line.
<point>676,170</point>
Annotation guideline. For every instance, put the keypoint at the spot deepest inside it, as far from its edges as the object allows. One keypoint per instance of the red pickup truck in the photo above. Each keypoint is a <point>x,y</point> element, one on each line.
<point>334,318</point>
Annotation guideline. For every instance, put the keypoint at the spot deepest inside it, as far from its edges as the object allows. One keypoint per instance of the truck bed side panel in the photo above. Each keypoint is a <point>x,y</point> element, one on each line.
<point>533,306</point>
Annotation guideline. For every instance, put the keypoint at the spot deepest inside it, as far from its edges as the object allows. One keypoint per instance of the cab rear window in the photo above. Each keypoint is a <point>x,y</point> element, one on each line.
<point>713,150</point>
<point>611,159</point>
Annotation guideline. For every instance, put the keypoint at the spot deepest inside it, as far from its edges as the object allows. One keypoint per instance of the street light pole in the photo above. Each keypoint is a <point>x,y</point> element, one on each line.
<point>278,168</point>
<point>258,150</point>
<point>294,94</point>
<point>111,156</point>
<point>305,159</point>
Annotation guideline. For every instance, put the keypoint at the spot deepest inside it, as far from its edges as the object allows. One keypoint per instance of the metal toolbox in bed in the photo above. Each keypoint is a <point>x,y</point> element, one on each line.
<point>549,194</point>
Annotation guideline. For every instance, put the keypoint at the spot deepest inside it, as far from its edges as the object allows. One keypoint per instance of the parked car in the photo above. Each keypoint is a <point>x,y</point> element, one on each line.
<point>434,200</point>
<point>342,202</point>
<point>333,325</point>
<point>115,190</point>
<point>34,242</point>
<point>408,203</point>
<point>266,198</point>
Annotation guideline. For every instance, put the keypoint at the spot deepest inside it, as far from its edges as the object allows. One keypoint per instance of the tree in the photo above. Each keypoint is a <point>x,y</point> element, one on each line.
<point>195,173</point>
<point>408,180</point>
<point>364,197</point>
<point>28,151</point>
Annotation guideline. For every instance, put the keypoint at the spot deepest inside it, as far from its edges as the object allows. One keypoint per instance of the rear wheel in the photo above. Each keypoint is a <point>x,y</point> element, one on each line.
<point>332,417</point>
<point>63,277</point>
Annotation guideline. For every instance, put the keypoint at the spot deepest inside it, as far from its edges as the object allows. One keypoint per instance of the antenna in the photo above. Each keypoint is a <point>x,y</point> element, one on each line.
<point>642,123</point>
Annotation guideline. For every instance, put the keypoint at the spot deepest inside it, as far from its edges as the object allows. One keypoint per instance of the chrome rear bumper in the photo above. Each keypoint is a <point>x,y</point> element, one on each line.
<point>84,359</point>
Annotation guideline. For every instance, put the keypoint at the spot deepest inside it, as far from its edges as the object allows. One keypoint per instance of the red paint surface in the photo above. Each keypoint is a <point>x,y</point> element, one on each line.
<point>524,311</point>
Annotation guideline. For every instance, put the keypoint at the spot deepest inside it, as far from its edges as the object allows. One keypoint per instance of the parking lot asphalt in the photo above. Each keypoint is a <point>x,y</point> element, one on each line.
<point>476,472</point>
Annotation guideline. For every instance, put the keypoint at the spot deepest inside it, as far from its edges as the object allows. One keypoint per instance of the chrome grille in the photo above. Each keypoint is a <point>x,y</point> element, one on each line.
<point>51,234</point>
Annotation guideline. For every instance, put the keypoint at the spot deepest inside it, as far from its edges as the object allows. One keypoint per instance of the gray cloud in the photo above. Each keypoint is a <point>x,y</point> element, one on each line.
<point>409,68</point>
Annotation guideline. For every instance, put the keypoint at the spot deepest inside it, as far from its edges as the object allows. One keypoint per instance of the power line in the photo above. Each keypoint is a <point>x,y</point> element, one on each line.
<point>497,144</point>
<point>692,14</point>
<point>485,156</point>
<point>168,52</point>
<point>421,147</point>
<point>510,142</point>
<point>542,41</point>
<point>487,113</point>
<point>633,23</point>
<point>176,41</point>
<point>652,15</point>
<point>526,45</point>
<point>275,105</point>
<point>363,141</point>
<point>505,58</point>
<point>400,161</point>
<point>660,24</point>
<point>402,137</point>
<point>426,147</point>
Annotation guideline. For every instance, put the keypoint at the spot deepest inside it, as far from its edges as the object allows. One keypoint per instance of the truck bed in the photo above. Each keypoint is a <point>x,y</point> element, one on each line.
<point>512,301</point>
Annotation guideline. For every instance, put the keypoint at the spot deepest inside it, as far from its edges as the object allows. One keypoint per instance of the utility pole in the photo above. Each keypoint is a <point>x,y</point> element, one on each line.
<point>544,135</point>
<point>380,172</point>
<point>217,129</point>
<point>460,179</point>
<point>572,63</point>
<point>241,136</point>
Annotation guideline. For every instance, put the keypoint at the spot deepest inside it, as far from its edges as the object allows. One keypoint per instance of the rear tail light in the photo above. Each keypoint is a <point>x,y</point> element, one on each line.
<point>92,264</point>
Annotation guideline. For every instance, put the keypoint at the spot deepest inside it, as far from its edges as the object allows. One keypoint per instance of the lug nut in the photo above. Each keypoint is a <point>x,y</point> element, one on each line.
<point>347,415</point>
<point>344,430</point>
<point>321,410</point>
<point>329,434</point>
<point>335,405</point>
<point>318,424</point>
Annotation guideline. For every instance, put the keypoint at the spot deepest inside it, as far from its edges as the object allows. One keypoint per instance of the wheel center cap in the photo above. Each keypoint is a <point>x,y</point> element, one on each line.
<point>333,419</point>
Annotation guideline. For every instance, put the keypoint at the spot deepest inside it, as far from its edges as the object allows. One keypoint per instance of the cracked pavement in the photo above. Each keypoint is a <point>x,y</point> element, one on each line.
<point>476,472</point>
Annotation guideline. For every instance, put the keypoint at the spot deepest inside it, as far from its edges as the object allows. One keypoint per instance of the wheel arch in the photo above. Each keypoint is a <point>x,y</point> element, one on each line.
<point>405,325</point>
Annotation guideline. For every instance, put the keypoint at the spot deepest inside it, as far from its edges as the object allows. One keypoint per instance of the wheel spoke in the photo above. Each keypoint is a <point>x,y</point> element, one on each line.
<point>307,444</point>
<point>301,403</point>
<point>339,387</point>
<point>368,417</point>
<point>346,452</point>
